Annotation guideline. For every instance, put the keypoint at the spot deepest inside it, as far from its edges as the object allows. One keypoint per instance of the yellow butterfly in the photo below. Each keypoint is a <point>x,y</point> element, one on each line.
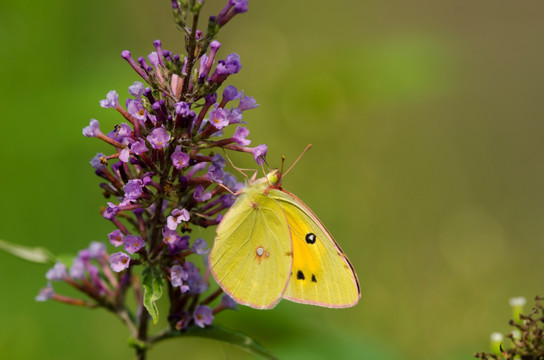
<point>271,246</point>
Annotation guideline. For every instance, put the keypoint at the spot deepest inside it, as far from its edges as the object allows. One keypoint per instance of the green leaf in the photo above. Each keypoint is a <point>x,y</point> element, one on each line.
<point>152,283</point>
<point>235,338</point>
<point>33,254</point>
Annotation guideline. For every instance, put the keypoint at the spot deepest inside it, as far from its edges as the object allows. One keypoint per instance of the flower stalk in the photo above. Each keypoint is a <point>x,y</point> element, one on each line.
<point>163,177</point>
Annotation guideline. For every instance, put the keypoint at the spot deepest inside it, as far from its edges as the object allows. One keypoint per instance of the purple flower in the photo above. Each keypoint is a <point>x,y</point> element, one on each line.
<point>84,255</point>
<point>125,54</point>
<point>184,320</point>
<point>210,99</point>
<point>97,250</point>
<point>111,100</point>
<point>194,280</point>
<point>111,211</point>
<point>138,147</point>
<point>184,109</point>
<point>121,132</point>
<point>170,237</point>
<point>136,89</point>
<point>203,316</point>
<point>259,153</point>
<point>176,217</point>
<point>219,117</point>
<point>200,195</point>
<point>116,238</point>
<point>56,273</point>
<point>231,182</point>
<point>147,178</point>
<point>124,155</point>
<point>231,65</point>
<point>152,118</point>
<point>200,247</point>
<point>133,244</point>
<point>240,136</point>
<point>77,270</point>
<point>228,303</point>
<point>133,189</point>
<point>95,278</point>
<point>206,62</point>
<point>235,116</point>
<point>115,167</point>
<point>158,138</point>
<point>178,275</point>
<point>97,161</point>
<point>247,103</point>
<point>93,129</point>
<point>179,158</point>
<point>137,110</point>
<point>240,6</point>
<point>153,58</point>
<point>202,70</point>
<point>231,93</point>
<point>227,200</point>
<point>119,261</point>
<point>174,241</point>
<point>214,46</point>
<point>46,293</point>
<point>215,171</point>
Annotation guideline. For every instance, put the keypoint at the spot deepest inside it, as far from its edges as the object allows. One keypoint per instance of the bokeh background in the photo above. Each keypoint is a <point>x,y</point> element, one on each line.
<point>426,124</point>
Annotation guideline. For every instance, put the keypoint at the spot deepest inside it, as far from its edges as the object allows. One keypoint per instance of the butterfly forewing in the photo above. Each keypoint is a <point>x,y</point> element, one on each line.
<point>321,273</point>
<point>252,256</point>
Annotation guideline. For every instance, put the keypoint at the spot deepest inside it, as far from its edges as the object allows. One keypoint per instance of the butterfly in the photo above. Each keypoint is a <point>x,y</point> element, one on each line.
<point>270,246</point>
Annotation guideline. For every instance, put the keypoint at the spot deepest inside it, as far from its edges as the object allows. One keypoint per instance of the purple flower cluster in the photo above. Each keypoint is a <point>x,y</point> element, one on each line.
<point>89,272</point>
<point>164,175</point>
<point>160,158</point>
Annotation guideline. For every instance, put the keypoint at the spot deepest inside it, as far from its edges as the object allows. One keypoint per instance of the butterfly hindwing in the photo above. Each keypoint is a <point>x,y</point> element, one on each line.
<point>321,273</point>
<point>252,255</point>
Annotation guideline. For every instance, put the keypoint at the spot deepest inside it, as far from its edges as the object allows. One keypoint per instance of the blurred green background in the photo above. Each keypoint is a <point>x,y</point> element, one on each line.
<point>426,120</point>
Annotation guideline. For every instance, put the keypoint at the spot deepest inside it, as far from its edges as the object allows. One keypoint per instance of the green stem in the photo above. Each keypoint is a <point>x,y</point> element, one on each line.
<point>191,49</point>
<point>141,351</point>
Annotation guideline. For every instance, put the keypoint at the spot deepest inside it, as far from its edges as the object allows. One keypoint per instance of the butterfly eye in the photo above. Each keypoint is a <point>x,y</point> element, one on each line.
<point>273,177</point>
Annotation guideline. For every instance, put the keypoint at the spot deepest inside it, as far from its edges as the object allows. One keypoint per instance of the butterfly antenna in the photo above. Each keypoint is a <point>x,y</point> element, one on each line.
<point>293,164</point>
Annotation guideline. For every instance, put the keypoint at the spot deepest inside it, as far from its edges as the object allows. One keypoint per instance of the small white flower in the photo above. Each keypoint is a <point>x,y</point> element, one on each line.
<point>497,337</point>
<point>517,301</point>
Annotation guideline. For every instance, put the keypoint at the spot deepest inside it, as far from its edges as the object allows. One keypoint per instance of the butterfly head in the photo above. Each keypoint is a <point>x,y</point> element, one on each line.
<point>274,178</point>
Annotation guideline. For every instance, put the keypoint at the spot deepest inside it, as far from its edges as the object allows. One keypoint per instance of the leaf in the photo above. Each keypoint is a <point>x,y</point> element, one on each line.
<point>233,337</point>
<point>152,283</point>
<point>33,254</point>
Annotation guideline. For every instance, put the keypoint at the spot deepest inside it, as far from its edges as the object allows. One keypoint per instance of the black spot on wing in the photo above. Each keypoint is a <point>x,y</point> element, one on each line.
<point>310,238</point>
<point>300,275</point>
<point>313,278</point>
